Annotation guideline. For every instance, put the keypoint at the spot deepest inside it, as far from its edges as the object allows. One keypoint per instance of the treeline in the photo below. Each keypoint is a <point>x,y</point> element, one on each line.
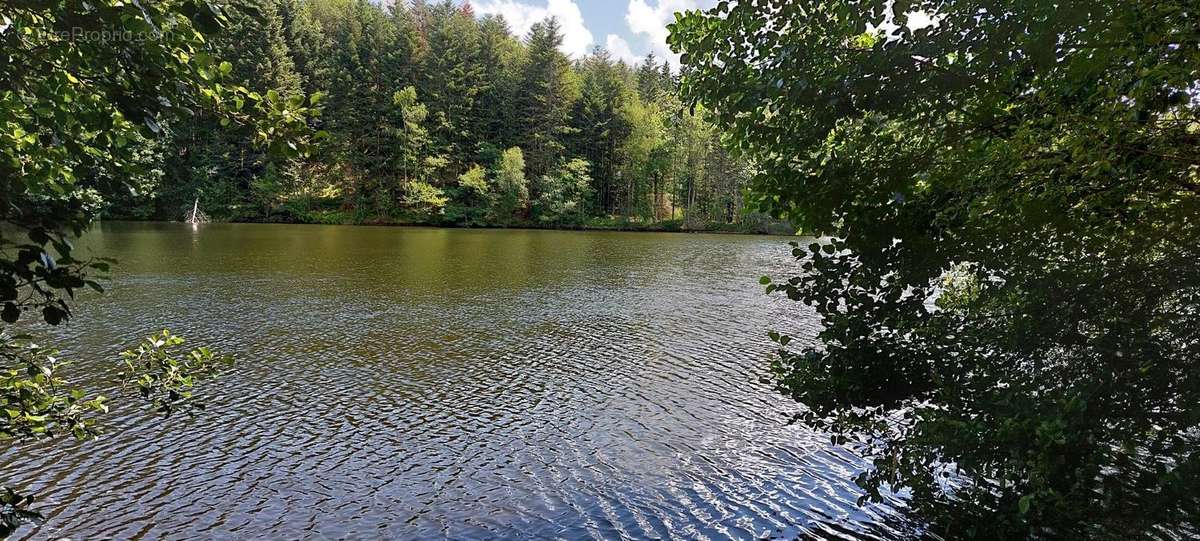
<point>433,115</point>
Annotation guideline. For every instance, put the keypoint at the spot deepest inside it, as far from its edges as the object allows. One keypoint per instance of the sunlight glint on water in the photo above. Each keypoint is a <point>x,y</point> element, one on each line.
<point>428,383</point>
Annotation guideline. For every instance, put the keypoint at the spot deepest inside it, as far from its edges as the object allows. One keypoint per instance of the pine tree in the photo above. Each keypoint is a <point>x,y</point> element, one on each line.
<point>451,82</point>
<point>600,126</point>
<point>649,78</point>
<point>359,55</point>
<point>548,93</point>
<point>255,44</point>
<point>497,59</point>
<point>222,166</point>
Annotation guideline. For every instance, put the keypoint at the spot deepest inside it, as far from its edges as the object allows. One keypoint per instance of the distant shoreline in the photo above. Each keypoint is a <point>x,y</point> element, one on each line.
<point>774,230</point>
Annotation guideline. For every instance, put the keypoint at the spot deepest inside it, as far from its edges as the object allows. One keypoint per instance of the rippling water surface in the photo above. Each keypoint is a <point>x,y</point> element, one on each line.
<point>430,383</point>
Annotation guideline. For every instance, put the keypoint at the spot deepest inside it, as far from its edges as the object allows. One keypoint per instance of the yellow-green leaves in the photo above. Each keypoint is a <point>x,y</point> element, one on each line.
<point>35,400</point>
<point>164,376</point>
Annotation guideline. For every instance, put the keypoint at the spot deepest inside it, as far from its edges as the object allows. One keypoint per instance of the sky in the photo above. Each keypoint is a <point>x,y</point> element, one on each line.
<point>629,29</point>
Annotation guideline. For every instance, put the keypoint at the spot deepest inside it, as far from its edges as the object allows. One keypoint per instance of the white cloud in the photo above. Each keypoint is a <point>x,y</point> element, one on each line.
<point>652,20</point>
<point>577,40</point>
<point>620,49</point>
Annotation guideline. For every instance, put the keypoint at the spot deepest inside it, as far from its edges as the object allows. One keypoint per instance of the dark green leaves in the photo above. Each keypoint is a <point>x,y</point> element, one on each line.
<point>206,15</point>
<point>11,313</point>
<point>54,315</point>
<point>1009,288</point>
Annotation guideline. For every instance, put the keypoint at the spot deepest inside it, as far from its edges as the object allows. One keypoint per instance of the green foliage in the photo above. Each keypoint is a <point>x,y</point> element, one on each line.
<point>163,377</point>
<point>499,56</point>
<point>600,127</point>
<point>97,101</point>
<point>452,78</point>
<point>415,92</point>
<point>267,189</point>
<point>654,81</point>
<point>641,154</point>
<point>74,112</point>
<point>549,90</point>
<point>78,109</point>
<point>412,137</point>
<point>87,109</point>
<point>475,180</point>
<point>41,274</point>
<point>511,190</point>
<point>424,197</point>
<point>37,402</point>
<point>324,216</point>
<point>1030,168</point>
<point>565,193</point>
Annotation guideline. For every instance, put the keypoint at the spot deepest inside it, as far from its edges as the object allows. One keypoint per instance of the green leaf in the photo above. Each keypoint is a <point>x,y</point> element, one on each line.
<point>1024,503</point>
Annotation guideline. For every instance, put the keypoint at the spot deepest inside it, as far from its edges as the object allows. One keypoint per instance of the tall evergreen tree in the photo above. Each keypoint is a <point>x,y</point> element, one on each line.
<point>549,90</point>
<point>356,53</point>
<point>498,57</point>
<point>600,126</point>
<point>451,82</point>
<point>650,79</point>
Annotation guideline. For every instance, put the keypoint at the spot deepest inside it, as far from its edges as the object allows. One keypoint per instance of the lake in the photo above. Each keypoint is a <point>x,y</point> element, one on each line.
<point>413,383</point>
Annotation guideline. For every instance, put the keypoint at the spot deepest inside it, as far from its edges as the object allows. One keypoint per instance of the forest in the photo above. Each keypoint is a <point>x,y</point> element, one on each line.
<point>432,115</point>
<point>995,312</point>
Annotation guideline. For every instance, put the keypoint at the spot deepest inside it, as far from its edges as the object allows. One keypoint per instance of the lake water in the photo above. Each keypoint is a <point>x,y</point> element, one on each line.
<point>411,383</point>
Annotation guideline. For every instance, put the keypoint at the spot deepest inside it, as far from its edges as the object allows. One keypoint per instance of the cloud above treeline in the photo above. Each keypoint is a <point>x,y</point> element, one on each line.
<point>577,39</point>
<point>651,19</point>
<point>646,19</point>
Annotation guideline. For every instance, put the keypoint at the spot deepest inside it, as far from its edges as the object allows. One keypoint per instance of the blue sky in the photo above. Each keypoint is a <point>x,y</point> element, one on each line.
<point>627,28</point>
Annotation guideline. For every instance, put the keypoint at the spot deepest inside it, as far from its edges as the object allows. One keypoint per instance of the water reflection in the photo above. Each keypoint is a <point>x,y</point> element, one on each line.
<point>428,383</point>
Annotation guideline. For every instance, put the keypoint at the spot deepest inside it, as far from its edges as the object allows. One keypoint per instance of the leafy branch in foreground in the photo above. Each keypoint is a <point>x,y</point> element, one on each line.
<point>89,90</point>
<point>37,402</point>
<point>164,378</point>
<point>80,102</point>
<point>1009,285</point>
<point>35,274</point>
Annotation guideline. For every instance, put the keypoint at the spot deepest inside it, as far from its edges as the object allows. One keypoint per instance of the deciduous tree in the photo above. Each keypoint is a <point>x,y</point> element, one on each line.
<point>1009,282</point>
